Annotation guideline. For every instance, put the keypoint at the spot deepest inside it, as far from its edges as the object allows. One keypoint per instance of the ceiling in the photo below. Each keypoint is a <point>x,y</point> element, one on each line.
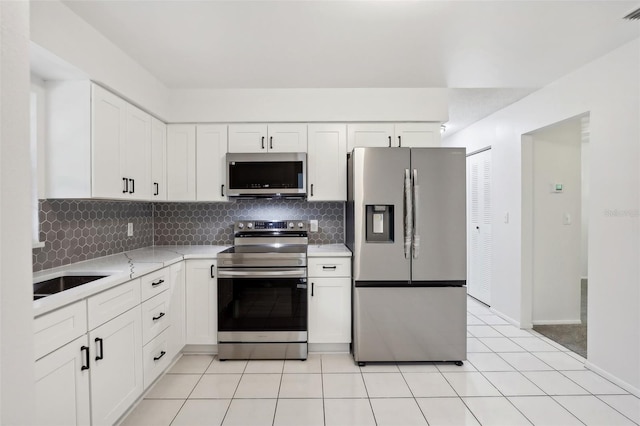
<point>491,52</point>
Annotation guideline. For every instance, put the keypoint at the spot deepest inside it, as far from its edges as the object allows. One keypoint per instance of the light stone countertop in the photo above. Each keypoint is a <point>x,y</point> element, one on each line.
<point>123,267</point>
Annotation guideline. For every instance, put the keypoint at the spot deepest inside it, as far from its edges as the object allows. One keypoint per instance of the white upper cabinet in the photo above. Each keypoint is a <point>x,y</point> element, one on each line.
<point>158,160</point>
<point>181,162</point>
<point>98,145</point>
<point>390,135</point>
<point>370,135</point>
<point>108,116</point>
<point>327,162</point>
<point>267,138</point>
<point>417,135</point>
<point>211,152</point>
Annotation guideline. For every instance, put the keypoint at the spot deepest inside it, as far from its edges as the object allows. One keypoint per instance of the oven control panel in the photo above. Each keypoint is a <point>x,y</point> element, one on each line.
<point>271,225</point>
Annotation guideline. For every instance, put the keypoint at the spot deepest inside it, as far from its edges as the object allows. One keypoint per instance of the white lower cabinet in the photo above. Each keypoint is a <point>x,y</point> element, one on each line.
<point>156,356</point>
<point>62,386</point>
<point>201,285</point>
<point>329,300</point>
<point>116,369</point>
<point>177,298</point>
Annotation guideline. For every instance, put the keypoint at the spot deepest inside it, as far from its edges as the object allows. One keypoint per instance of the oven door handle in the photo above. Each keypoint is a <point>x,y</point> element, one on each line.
<point>259,272</point>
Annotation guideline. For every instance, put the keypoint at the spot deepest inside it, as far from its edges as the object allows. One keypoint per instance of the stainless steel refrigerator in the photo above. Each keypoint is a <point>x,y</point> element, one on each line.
<point>406,227</point>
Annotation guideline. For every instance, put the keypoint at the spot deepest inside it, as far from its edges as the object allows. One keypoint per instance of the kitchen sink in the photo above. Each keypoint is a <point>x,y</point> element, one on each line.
<point>56,285</point>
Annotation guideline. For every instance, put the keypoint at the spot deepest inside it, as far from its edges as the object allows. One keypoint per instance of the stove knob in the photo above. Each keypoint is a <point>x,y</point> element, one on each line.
<point>249,225</point>
<point>290,225</point>
<point>240,225</point>
<point>300,225</point>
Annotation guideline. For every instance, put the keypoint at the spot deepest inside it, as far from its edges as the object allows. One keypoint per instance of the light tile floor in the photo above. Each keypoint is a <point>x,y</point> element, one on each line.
<point>511,377</point>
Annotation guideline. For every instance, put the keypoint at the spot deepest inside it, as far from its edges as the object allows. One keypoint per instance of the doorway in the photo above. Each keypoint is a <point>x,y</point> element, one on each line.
<point>559,195</point>
<point>479,232</point>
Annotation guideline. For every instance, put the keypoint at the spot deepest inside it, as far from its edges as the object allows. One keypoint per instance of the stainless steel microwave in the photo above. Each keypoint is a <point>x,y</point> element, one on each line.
<point>278,175</point>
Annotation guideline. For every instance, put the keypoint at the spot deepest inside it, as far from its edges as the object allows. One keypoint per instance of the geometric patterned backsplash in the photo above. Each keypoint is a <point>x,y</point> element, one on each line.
<point>212,223</point>
<point>76,230</point>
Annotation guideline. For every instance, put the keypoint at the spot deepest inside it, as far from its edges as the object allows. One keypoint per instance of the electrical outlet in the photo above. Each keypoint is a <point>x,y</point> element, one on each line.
<point>130,229</point>
<point>313,225</point>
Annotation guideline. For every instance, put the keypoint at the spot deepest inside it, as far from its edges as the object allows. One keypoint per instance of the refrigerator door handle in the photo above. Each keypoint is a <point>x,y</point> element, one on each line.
<point>408,214</point>
<point>416,215</point>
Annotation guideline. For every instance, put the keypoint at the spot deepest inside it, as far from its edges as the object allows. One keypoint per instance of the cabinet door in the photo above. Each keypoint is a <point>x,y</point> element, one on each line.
<point>327,162</point>
<point>116,368</point>
<point>136,153</point>
<point>108,116</point>
<point>247,138</point>
<point>211,162</point>
<point>177,328</point>
<point>201,302</point>
<point>370,135</point>
<point>158,160</point>
<point>287,138</point>
<point>62,386</point>
<point>417,135</point>
<point>181,162</point>
<point>329,310</point>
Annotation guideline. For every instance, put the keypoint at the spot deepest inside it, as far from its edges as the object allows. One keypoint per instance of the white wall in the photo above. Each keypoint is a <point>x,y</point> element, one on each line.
<point>60,31</point>
<point>16,291</point>
<point>238,105</point>
<point>556,241</point>
<point>608,88</point>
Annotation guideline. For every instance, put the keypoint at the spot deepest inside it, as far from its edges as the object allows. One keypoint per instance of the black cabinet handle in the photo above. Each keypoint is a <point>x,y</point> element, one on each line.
<point>330,268</point>
<point>157,192</point>
<point>212,274</point>
<point>312,190</point>
<point>157,283</point>
<point>263,142</point>
<point>86,357</point>
<point>399,141</point>
<point>101,356</point>
<point>389,141</point>
<point>222,190</point>
<point>160,315</point>
<point>270,142</point>
<point>125,188</point>
<point>162,353</point>
<point>311,289</point>
<point>132,186</point>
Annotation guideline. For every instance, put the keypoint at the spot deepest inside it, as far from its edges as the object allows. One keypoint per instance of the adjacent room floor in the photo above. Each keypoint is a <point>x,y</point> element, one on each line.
<point>512,377</point>
<point>571,336</point>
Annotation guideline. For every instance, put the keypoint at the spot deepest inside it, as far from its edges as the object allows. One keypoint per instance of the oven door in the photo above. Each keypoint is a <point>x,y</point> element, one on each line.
<point>255,302</point>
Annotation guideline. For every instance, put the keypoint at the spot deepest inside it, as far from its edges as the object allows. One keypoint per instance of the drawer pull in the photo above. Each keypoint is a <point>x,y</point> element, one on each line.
<point>86,357</point>
<point>156,283</point>
<point>160,315</point>
<point>162,353</point>
<point>329,268</point>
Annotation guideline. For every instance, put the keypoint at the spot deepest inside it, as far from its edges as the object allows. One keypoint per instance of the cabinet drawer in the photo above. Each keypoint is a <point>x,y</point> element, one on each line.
<point>156,316</point>
<point>156,357</point>
<point>329,267</point>
<point>154,283</point>
<point>59,327</point>
<point>109,304</point>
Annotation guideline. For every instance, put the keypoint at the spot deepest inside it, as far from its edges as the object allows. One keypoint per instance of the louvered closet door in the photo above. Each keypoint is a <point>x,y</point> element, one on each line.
<point>479,226</point>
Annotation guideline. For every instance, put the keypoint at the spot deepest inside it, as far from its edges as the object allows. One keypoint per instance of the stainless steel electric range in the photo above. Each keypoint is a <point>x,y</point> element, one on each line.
<point>262,291</point>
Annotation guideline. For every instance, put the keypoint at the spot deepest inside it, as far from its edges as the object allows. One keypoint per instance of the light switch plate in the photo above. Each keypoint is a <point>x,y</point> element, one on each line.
<point>129,229</point>
<point>313,225</point>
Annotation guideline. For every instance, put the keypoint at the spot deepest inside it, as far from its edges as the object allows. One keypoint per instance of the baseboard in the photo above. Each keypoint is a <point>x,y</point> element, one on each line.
<point>329,348</point>
<point>200,349</point>
<point>557,322</point>
<point>615,380</point>
<point>507,318</point>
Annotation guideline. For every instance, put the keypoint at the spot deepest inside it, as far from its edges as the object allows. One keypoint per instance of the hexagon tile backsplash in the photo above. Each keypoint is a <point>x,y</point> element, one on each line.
<point>76,230</point>
<point>212,223</point>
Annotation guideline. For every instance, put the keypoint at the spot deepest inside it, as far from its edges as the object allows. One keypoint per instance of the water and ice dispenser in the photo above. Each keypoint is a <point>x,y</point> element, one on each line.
<point>379,223</point>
